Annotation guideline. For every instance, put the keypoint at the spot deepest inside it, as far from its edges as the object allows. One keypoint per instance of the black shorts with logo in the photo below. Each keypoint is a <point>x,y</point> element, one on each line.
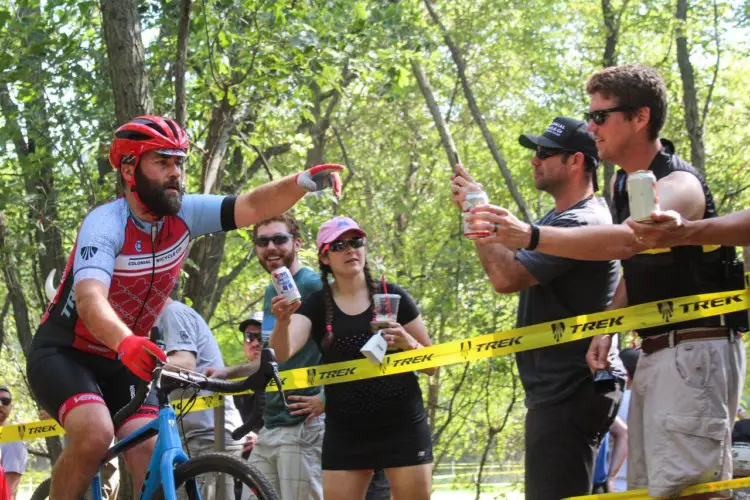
<point>58,373</point>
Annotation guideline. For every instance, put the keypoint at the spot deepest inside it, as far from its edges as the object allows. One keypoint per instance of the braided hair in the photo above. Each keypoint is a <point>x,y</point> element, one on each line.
<point>328,299</point>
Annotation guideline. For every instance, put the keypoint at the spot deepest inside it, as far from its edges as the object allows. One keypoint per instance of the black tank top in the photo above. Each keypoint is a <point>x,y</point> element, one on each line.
<point>677,271</point>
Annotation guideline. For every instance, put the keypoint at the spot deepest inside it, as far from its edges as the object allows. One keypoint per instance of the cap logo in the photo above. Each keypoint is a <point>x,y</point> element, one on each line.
<point>342,223</point>
<point>556,129</point>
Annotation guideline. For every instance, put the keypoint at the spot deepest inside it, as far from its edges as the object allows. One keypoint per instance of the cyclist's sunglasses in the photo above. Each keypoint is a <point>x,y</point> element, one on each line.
<point>600,116</point>
<point>543,153</point>
<point>6,401</point>
<point>341,245</point>
<point>278,239</point>
<point>249,337</point>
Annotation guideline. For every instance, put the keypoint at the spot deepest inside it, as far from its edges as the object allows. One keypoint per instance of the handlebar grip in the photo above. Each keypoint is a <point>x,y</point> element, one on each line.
<point>242,430</point>
<point>129,409</point>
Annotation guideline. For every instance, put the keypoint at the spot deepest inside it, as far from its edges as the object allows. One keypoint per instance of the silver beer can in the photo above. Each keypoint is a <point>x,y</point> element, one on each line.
<point>642,195</point>
<point>472,200</point>
<point>284,284</point>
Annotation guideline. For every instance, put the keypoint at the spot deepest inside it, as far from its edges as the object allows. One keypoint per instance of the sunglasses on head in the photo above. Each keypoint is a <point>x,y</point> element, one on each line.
<point>249,337</point>
<point>341,245</point>
<point>600,116</point>
<point>543,153</point>
<point>278,239</point>
<point>6,401</point>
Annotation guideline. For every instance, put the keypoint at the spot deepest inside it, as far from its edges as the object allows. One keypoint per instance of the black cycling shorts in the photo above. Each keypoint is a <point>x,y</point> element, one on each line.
<point>61,375</point>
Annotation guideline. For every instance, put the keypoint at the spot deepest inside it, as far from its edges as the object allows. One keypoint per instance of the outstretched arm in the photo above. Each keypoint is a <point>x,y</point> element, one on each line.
<point>276,197</point>
<point>671,230</point>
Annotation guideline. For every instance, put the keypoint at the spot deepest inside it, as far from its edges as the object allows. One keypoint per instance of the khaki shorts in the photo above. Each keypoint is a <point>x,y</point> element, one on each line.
<point>684,400</point>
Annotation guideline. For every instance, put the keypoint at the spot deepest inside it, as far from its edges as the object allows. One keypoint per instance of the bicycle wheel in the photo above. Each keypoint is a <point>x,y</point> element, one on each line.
<point>229,469</point>
<point>42,491</point>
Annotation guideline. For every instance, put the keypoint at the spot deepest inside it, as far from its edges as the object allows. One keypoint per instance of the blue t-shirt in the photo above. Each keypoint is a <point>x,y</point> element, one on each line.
<point>275,415</point>
<point>601,466</point>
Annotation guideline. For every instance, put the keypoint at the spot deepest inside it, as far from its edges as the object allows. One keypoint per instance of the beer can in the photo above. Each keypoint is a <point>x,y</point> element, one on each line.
<point>284,284</point>
<point>642,195</point>
<point>474,199</point>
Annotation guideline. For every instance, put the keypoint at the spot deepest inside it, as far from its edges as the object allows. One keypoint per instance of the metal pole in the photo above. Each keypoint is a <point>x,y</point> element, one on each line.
<point>220,445</point>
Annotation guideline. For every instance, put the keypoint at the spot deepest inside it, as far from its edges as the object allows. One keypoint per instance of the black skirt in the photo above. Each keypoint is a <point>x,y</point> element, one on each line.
<point>399,445</point>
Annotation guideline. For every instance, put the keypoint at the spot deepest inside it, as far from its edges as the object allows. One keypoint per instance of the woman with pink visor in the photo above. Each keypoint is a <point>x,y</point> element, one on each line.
<point>377,423</point>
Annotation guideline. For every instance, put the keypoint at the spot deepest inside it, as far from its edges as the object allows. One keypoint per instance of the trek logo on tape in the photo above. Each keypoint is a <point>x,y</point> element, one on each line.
<point>557,330</point>
<point>413,360</point>
<point>342,372</point>
<point>708,304</point>
<point>666,309</point>
<point>597,325</point>
<point>42,429</point>
<point>497,344</point>
<point>465,349</point>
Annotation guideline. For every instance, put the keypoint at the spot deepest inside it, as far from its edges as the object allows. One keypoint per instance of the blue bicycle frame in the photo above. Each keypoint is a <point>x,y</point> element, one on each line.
<point>168,454</point>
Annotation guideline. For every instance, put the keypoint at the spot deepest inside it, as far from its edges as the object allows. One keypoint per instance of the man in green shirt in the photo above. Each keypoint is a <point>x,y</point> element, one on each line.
<point>288,449</point>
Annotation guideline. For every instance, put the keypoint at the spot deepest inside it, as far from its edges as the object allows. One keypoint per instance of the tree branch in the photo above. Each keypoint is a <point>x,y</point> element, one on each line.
<point>477,115</point>
<point>717,38</point>
<point>183,34</point>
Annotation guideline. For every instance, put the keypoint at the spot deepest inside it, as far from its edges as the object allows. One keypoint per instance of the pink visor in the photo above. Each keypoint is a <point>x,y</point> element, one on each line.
<point>332,229</point>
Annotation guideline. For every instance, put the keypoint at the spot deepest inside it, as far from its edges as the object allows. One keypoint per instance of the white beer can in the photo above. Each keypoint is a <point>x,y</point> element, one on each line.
<point>473,199</point>
<point>284,284</point>
<point>642,195</point>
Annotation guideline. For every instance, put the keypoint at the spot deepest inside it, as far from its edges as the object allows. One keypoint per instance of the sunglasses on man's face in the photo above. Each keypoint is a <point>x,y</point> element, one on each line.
<point>600,116</point>
<point>6,401</point>
<point>249,337</point>
<point>341,245</point>
<point>277,239</point>
<point>544,153</point>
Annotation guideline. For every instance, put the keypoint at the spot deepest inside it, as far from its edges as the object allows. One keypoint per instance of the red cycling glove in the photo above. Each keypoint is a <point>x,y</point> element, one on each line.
<point>320,177</point>
<point>139,355</point>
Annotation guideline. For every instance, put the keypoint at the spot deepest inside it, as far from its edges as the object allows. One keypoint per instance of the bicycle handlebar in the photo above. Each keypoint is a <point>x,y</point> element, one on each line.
<point>167,381</point>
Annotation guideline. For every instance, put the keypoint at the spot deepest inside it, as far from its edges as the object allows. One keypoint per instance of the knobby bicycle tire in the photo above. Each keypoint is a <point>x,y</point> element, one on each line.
<point>42,491</point>
<point>225,464</point>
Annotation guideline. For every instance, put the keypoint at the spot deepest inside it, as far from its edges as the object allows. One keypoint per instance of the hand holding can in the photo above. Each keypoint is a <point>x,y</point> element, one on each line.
<point>284,284</point>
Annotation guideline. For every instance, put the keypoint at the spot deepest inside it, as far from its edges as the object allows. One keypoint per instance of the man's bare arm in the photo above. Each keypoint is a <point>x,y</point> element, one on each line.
<point>184,359</point>
<point>97,313</point>
<point>672,230</point>
<point>506,273</point>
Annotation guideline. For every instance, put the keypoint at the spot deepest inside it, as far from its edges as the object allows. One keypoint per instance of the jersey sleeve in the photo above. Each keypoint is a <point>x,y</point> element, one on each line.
<point>15,457</point>
<point>99,240</point>
<point>177,330</point>
<point>208,213</point>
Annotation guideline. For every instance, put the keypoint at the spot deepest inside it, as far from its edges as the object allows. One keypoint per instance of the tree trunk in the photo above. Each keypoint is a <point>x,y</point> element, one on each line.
<point>689,94</point>
<point>477,115</point>
<point>446,139</point>
<point>612,30</point>
<point>182,49</point>
<point>122,33</point>
<point>15,289</point>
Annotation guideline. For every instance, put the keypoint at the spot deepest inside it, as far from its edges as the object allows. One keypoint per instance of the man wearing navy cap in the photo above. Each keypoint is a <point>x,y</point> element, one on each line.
<point>568,412</point>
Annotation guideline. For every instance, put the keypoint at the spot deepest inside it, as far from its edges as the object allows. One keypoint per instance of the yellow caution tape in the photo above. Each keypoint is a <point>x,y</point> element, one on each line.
<point>472,349</point>
<point>723,486</point>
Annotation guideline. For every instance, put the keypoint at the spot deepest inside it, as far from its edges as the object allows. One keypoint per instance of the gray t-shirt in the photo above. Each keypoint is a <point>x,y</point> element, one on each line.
<point>184,330</point>
<point>567,287</point>
<point>14,457</point>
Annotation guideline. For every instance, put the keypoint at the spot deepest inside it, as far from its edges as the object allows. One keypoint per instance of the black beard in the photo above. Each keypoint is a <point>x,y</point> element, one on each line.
<point>155,197</point>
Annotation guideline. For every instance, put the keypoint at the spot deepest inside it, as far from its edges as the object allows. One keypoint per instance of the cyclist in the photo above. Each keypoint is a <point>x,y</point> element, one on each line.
<point>92,345</point>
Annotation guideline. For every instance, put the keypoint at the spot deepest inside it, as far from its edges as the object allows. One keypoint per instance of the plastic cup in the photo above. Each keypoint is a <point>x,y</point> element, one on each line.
<point>386,309</point>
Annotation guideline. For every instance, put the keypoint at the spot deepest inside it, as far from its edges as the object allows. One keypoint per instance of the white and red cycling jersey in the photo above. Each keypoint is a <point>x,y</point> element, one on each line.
<point>138,261</point>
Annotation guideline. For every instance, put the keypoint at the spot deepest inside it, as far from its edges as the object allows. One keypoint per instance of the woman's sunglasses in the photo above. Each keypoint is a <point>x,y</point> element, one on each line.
<point>6,401</point>
<point>278,240</point>
<point>600,116</point>
<point>341,245</point>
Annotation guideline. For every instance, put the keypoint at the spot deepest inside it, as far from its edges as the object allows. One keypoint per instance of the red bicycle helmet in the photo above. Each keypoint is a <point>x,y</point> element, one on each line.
<point>147,133</point>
